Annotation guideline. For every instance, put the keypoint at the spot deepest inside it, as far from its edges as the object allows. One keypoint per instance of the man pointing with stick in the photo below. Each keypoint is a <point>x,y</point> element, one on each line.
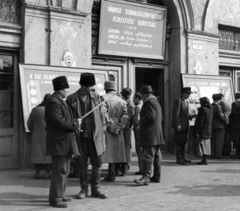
<point>91,136</point>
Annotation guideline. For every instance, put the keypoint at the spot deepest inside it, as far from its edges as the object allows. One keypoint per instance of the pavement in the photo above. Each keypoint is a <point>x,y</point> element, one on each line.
<point>212,187</point>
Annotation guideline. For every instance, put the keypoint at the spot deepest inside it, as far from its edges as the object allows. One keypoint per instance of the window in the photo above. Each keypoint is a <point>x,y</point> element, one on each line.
<point>229,38</point>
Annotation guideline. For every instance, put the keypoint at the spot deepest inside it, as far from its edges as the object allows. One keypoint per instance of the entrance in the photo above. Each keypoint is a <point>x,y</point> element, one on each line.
<point>153,77</point>
<point>9,111</point>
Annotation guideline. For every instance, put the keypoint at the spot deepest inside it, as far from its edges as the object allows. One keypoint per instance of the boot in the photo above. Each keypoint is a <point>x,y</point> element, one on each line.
<point>37,175</point>
<point>83,183</point>
<point>117,169</point>
<point>111,173</point>
<point>204,161</point>
<point>124,169</point>
<point>95,186</point>
<point>48,175</point>
<point>145,179</point>
<point>157,172</point>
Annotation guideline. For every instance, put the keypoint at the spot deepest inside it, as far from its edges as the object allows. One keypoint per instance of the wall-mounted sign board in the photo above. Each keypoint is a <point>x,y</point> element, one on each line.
<point>206,86</point>
<point>36,81</point>
<point>132,29</point>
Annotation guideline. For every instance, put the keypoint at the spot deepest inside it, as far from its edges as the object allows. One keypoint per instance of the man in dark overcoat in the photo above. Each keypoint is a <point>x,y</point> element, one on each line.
<point>61,140</point>
<point>218,127</point>
<point>234,125</point>
<point>180,123</point>
<point>151,136</point>
<point>91,138</point>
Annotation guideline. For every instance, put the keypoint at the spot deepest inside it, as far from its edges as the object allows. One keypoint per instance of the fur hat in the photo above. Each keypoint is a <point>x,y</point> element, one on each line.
<point>126,92</point>
<point>110,85</point>
<point>187,90</point>
<point>60,83</point>
<point>87,79</point>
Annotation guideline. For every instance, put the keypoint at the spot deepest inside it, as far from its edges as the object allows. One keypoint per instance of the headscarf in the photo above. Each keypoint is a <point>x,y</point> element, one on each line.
<point>45,99</point>
<point>204,101</point>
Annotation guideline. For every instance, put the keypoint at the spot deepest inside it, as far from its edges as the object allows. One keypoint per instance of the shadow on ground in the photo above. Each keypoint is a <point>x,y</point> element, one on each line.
<point>22,199</point>
<point>208,190</point>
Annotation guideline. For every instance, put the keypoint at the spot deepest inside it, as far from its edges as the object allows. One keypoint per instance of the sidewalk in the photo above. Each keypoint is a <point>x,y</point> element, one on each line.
<point>182,188</point>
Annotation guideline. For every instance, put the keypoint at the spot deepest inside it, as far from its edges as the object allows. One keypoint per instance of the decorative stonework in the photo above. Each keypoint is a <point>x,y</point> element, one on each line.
<point>9,11</point>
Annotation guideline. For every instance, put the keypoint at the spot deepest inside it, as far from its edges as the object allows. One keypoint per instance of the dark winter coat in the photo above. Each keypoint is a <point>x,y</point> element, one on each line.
<point>218,117</point>
<point>180,115</point>
<point>98,114</point>
<point>151,123</point>
<point>36,124</point>
<point>60,128</point>
<point>203,124</point>
<point>234,118</point>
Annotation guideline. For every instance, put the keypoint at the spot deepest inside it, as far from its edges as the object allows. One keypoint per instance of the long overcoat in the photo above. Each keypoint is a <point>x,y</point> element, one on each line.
<point>219,119</point>
<point>127,132</point>
<point>180,115</point>
<point>98,118</point>
<point>60,128</point>
<point>203,124</point>
<point>151,123</point>
<point>234,118</point>
<point>36,124</point>
<point>115,146</point>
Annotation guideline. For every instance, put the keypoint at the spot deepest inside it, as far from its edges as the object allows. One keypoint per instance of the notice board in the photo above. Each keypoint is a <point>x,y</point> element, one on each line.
<point>36,81</point>
<point>132,29</point>
<point>206,86</point>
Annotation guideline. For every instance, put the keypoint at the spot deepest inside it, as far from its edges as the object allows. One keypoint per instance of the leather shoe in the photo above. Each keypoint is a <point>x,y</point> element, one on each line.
<point>142,181</point>
<point>139,173</point>
<point>187,161</point>
<point>181,162</point>
<point>82,194</point>
<point>202,163</point>
<point>66,199</point>
<point>47,175</point>
<point>98,194</point>
<point>37,176</point>
<point>59,204</point>
<point>155,179</point>
<point>109,179</point>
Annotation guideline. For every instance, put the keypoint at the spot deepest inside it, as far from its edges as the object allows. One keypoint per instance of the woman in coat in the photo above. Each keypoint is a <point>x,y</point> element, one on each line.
<point>36,124</point>
<point>203,128</point>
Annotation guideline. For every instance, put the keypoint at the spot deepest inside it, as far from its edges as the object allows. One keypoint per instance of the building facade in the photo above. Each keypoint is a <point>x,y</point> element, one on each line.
<point>202,37</point>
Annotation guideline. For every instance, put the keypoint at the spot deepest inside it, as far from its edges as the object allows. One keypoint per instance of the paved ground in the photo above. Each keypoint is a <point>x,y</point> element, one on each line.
<point>183,188</point>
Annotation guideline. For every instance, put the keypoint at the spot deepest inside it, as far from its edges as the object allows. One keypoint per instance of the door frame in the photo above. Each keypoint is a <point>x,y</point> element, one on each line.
<point>13,160</point>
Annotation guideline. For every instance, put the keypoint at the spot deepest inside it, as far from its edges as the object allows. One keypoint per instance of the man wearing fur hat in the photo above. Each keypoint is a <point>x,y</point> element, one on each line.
<point>91,137</point>
<point>180,123</point>
<point>151,137</point>
<point>61,140</point>
<point>117,116</point>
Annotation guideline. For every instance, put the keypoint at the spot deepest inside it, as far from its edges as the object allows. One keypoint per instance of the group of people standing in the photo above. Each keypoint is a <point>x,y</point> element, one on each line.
<point>214,124</point>
<point>95,129</point>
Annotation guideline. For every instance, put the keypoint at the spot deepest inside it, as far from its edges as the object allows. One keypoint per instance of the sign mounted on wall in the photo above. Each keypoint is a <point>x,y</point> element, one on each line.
<point>132,29</point>
<point>206,86</point>
<point>36,81</point>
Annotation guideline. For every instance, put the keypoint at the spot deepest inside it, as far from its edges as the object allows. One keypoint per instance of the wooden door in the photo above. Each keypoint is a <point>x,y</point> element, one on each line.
<point>9,111</point>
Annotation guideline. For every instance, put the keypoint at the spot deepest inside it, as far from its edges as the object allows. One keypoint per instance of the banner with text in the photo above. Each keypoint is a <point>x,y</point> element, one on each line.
<point>132,29</point>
